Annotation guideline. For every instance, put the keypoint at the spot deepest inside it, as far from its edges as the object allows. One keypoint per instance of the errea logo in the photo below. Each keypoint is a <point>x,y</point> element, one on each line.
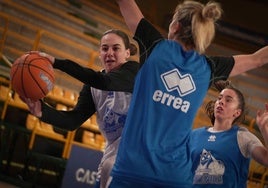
<point>173,80</point>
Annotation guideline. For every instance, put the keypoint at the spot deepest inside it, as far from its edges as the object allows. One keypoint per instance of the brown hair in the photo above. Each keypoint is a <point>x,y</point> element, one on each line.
<point>197,23</point>
<point>220,85</point>
<point>132,47</point>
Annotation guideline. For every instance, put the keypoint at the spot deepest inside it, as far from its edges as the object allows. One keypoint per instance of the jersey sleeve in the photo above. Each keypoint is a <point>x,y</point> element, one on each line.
<point>70,120</point>
<point>147,36</point>
<point>247,141</point>
<point>221,67</point>
<point>121,79</point>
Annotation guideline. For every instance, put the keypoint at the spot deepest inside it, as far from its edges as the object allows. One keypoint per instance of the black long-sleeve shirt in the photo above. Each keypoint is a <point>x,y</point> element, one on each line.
<point>121,79</point>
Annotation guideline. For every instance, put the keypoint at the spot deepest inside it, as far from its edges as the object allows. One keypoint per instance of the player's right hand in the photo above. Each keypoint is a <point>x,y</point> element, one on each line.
<point>34,106</point>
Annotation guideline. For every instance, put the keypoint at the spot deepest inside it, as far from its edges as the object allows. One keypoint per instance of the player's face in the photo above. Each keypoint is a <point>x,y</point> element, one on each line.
<point>226,106</point>
<point>113,52</point>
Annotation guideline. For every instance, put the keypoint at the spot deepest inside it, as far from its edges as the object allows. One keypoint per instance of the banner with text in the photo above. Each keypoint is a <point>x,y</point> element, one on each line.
<point>81,169</point>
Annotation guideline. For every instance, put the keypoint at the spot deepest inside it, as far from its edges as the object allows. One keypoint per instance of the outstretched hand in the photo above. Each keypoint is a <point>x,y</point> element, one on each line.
<point>262,118</point>
<point>34,106</point>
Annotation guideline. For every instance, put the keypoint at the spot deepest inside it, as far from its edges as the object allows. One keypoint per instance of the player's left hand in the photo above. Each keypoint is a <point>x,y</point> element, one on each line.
<point>43,54</point>
<point>262,118</point>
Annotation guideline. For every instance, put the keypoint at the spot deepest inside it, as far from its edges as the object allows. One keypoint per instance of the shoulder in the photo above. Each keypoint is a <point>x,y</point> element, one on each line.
<point>147,35</point>
<point>198,130</point>
<point>243,129</point>
<point>145,26</point>
<point>246,136</point>
<point>247,141</point>
<point>221,67</point>
<point>132,66</point>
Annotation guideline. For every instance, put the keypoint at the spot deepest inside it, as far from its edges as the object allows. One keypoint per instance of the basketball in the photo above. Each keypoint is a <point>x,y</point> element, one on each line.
<point>32,76</point>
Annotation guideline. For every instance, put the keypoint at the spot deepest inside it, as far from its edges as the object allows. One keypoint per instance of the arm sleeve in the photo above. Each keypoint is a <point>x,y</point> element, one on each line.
<point>121,79</point>
<point>70,120</point>
<point>221,67</point>
<point>147,36</point>
<point>247,142</point>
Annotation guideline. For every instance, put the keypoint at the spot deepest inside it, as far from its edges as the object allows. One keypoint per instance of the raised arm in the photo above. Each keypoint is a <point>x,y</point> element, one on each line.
<point>131,13</point>
<point>262,122</point>
<point>244,63</point>
<point>260,153</point>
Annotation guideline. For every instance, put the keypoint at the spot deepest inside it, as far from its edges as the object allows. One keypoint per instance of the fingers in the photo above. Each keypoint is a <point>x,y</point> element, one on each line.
<point>34,106</point>
<point>32,52</point>
<point>43,54</point>
<point>259,112</point>
<point>49,57</point>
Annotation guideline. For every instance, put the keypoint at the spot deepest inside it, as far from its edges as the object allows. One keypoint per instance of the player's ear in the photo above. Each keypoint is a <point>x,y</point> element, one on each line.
<point>177,27</point>
<point>127,53</point>
<point>237,113</point>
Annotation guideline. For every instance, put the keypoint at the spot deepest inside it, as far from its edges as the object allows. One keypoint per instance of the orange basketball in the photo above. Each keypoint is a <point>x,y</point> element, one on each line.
<point>32,76</point>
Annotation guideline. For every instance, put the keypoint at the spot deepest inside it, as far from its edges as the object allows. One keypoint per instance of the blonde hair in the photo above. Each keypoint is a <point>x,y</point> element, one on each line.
<point>197,23</point>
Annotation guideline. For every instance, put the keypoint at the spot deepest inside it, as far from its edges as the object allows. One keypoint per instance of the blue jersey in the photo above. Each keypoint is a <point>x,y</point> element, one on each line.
<point>217,160</point>
<point>168,91</point>
<point>171,86</point>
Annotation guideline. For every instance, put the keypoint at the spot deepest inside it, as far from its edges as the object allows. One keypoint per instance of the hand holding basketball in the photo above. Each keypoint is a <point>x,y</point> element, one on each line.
<point>45,55</point>
<point>35,107</point>
<point>32,75</point>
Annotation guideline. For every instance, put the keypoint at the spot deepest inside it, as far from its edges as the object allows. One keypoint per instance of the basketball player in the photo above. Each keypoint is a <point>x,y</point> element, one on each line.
<point>221,153</point>
<point>107,93</point>
<point>169,89</point>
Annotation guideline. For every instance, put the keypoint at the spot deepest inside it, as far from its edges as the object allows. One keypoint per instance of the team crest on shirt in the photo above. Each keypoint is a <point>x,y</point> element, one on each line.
<point>212,138</point>
<point>113,121</point>
<point>174,80</point>
<point>209,170</point>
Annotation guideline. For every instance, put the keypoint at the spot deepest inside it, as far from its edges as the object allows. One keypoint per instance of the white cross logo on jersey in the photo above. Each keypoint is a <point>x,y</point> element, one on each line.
<point>173,80</point>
